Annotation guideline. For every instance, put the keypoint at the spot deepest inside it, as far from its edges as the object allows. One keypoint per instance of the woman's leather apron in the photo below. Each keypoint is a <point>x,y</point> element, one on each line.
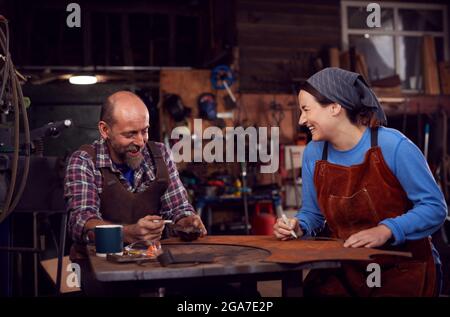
<point>356,198</point>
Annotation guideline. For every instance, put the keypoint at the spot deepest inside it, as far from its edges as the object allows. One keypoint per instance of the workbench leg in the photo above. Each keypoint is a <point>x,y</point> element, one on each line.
<point>292,284</point>
<point>249,287</point>
<point>62,244</point>
<point>35,255</point>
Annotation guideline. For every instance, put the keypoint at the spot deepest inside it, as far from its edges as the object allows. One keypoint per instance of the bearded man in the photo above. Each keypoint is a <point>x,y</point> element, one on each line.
<point>123,178</point>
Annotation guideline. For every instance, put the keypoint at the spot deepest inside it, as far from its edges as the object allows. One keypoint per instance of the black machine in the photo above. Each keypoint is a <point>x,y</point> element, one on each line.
<point>29,181</point>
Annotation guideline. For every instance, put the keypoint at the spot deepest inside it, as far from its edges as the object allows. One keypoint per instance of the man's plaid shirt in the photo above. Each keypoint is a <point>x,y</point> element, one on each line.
<point>83,184</point>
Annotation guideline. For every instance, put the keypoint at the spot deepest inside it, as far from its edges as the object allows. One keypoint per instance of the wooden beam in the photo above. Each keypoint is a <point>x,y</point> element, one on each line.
<point>107,41</point>
<point>172,39</point>
<point>29,31</point>
<point>412,105</point>
<point>144,7</point>
<point>121,7</point>
<point>295,7</point>
<point>87,38</point>
<point>60,45</point>
<point>429,66</point>
<point>126,46</point>
<point>151,42</point>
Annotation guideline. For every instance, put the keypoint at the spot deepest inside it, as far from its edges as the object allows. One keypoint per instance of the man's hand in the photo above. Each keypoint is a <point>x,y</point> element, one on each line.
<point>193,221</point>
<point>370,238</point>
<point>89,227</point>
<point>147,228</point>
<point>282,231</point>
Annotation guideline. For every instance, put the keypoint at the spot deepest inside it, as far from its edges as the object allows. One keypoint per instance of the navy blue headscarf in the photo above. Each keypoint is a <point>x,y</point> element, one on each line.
<point>348,89</point>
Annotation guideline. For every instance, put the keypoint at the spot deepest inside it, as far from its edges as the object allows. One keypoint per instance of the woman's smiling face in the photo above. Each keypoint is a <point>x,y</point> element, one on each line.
<point>317,118</point>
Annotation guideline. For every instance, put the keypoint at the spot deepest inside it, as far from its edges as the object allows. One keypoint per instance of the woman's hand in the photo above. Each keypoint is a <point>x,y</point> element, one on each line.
<point>282,231</point>
<point>370,238</point>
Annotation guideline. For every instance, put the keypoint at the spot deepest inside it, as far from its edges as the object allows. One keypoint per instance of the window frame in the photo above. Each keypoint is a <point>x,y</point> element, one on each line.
<point>346,32</point>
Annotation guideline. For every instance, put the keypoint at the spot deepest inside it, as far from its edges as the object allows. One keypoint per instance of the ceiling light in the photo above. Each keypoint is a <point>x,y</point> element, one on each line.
<point>83,79</point>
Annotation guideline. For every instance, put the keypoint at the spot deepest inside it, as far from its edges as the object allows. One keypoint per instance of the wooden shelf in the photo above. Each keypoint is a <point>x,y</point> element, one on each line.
<point>415,104</point>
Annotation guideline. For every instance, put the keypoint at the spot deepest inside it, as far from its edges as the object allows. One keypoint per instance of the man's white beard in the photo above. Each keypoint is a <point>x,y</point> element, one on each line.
<point>133,162</point>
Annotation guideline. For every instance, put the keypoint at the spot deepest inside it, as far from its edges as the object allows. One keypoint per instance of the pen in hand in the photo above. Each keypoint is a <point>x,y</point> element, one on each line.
<point>165,221</point>
<point>286,221</point>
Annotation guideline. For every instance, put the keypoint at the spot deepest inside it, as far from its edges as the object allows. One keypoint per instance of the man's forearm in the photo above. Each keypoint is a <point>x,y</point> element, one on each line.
<point>128,233</point>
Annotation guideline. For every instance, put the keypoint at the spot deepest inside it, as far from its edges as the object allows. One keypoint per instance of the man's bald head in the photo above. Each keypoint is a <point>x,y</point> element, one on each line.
<point>121,102</point>
<point>124,123</point>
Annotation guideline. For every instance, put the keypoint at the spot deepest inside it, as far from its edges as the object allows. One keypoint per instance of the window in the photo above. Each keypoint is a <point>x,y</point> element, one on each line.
<point>396,46</point>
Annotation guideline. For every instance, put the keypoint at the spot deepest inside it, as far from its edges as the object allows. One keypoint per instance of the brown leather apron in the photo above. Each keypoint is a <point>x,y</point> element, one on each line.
<point>121,206</point>
<point>356,198</point>
<point>118,205</point>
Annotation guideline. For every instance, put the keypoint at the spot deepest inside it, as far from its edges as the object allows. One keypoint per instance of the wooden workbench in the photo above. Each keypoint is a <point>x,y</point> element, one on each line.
<point>245,259</point>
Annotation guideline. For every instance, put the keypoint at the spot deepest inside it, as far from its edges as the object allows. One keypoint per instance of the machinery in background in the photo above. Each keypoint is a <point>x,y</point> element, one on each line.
<point>40,196</point>
<point>13,143</point>
<point>21,156</point>
<point>26,152</point>
<point>12,103</point>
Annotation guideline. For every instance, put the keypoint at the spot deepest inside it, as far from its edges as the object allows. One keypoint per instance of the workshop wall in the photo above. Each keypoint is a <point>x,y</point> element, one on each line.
<point>255,109</point>
<point>55,102</point>
<point>278,41</point>
<point>281,43</point>
<point>189,85</point>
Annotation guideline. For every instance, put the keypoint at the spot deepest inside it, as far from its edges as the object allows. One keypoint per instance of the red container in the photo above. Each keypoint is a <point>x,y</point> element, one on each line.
<point>263,219</point>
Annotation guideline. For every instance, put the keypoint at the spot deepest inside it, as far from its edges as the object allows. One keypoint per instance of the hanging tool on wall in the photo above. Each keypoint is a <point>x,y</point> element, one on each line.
<point>173,104</point>
<point>207,106</point>
<point>207,109</point>
<point>222,77</point>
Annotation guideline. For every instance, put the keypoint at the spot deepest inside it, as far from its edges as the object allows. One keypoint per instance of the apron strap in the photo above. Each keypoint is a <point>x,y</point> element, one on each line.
<point>374,136</point>
<point>373,142</point>
<point>154,150</point>
<point>158,161</point>
<point>325,151</point>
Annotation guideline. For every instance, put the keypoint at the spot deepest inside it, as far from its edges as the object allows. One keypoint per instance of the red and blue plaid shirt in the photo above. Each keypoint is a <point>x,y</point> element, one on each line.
<point>83,184</point>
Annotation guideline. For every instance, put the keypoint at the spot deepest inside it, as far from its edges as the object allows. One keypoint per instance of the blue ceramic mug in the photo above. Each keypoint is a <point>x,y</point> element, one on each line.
<point>108,239</point>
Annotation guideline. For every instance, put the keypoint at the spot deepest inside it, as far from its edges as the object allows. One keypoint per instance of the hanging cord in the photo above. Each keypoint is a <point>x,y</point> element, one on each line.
<point>11,89</point>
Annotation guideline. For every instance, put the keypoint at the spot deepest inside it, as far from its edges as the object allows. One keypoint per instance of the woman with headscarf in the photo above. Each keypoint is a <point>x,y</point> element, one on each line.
<point>370,185</point>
